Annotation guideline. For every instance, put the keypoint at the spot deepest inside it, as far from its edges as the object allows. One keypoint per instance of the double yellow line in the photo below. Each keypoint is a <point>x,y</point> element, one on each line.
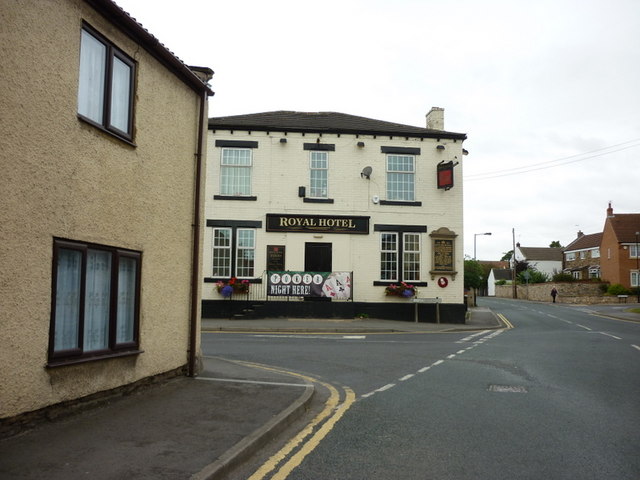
<point>504,320</point>
<point>285,460</point>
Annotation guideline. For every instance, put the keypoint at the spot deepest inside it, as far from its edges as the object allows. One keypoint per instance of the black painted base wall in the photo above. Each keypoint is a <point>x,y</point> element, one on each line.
<point>449,312</point>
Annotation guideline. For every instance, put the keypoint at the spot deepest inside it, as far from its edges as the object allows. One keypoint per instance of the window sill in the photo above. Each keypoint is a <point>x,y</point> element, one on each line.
<point>386,283</point>
<point>400,203</point>
<point>75,361</point>
<point>317,200</point>
<point>126,140</point>
<point>235,197</point>
<point>224,279</point>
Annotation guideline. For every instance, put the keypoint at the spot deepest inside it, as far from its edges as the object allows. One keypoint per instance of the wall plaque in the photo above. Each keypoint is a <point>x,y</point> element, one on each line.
<point>443,252</point>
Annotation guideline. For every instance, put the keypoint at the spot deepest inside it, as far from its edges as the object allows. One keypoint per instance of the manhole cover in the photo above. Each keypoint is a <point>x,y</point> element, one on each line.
<point>507,389</point>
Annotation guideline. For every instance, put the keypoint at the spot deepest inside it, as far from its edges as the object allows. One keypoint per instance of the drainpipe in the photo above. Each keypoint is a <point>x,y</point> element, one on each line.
<point>195,264</point>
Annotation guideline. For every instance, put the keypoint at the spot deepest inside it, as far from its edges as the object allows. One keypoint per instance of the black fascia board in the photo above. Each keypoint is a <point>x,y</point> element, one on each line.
<point>344,131</point>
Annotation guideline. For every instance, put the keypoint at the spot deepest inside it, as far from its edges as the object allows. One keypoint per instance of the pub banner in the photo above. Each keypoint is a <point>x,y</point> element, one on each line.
<point>309,284</point>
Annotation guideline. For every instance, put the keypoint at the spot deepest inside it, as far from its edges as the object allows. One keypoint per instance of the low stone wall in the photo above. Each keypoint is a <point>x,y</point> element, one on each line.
<point>573,293</point>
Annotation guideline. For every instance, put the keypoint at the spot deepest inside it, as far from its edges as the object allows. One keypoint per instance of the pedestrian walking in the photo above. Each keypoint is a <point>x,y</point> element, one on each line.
<point>554,292</point>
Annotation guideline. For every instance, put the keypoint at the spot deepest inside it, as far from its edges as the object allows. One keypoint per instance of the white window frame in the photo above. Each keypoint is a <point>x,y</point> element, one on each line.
<point>248,253</point>
<point>633,250</point>
<point>577,274</point>
<point>389,257</point>
<point>595,253</point>
<point>318,186</point>
<point>634,277</point>
<point>583,255</point>
<point>226,259</point>
<point>411,276</point>
<point>105,85</point>
<point>570,256</point>
<point>405,178</point>
<point>236,171</point>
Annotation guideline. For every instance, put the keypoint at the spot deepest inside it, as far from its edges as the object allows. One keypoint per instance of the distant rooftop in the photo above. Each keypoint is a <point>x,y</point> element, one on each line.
<point>541,253</point>
<point>324,122</point>
<point>584,242</point>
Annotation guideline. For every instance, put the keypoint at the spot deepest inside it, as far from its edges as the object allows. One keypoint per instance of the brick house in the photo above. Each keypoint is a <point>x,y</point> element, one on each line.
<point>619,260</point>
<point>582,256</point>
<point>376,202</point>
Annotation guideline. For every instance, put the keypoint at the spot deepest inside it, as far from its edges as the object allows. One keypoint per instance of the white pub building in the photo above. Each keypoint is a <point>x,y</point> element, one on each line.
<point>329,215</point>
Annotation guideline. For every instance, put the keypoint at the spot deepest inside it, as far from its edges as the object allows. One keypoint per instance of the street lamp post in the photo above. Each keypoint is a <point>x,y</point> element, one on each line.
<point>475,235</point>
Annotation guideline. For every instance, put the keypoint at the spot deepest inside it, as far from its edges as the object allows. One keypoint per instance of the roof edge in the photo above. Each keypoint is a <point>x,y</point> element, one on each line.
<point>130,27</point>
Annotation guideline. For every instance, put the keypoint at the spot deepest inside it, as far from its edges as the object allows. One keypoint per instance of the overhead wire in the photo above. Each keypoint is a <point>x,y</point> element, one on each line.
<point>580,157</point>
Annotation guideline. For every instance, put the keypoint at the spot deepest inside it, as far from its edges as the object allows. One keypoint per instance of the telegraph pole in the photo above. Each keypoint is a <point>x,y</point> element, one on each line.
<point>513,270</point>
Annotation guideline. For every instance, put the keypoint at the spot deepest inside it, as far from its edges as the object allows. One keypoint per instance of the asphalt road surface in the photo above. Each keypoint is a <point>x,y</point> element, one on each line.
<point>557,396</point>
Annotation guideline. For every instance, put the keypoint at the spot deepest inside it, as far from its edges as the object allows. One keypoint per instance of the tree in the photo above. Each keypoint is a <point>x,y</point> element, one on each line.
<point>473,274</point>
<point>506,257</point>
<point>555,244</point>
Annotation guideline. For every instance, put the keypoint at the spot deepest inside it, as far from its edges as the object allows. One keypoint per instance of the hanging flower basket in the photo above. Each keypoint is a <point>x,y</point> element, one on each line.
<point>401,289</point>
<point>231,286</point>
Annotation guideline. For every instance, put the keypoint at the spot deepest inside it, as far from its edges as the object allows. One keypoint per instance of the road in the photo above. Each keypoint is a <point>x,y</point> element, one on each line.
<point>557,396</point>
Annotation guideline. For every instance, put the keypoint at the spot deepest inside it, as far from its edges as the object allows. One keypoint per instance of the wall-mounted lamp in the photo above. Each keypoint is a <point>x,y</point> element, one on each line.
<point>440,147</point>
<point>283,140</point>
<point>361,144</point>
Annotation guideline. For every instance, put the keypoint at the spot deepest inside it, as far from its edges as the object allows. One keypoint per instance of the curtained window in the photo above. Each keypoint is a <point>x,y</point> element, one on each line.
<point>105,86</point>
<point>96,293</point>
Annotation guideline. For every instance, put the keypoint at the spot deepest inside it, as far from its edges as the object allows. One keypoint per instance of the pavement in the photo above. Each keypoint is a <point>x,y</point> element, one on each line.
<point>199,428</point>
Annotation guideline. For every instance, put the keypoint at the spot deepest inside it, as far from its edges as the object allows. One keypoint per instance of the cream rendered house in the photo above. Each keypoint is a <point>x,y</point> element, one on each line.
<point>102,152</point>
<point>325,214</point>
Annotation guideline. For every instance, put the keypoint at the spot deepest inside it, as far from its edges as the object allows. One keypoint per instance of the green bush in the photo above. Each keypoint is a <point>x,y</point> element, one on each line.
<point>501,282</point>
<point>617,289</point>
<point>534,276</point>
<point>604,287</point>
<point>563,277</point>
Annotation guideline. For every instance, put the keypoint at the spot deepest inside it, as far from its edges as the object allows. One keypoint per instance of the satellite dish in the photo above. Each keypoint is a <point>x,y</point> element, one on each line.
<point>366,172</point>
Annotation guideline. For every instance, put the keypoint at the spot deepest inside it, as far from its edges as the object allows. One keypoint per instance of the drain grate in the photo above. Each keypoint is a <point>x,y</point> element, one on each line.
<point>507,389</point>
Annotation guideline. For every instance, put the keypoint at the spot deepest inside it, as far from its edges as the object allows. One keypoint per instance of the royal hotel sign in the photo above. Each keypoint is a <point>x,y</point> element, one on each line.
<point>317,223</point>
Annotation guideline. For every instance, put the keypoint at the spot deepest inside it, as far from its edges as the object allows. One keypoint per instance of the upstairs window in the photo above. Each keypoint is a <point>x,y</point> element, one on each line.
<point>319,164</point>
<point>401,177</point>
<point>633,251</point>
<point>595,253</point>
<point>570,256</point>
<point>235,172</point>
<point>105,87</point>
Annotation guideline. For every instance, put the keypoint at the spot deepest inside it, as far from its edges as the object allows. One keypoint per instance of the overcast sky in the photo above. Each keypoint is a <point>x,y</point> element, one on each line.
<point>548,92</point>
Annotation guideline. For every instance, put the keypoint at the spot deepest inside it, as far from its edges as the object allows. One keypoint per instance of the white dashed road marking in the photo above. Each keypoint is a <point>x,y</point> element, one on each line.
<point>441,361</point>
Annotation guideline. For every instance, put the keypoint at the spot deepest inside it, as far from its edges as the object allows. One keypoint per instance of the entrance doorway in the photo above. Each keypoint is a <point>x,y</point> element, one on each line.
<point>317,258</point>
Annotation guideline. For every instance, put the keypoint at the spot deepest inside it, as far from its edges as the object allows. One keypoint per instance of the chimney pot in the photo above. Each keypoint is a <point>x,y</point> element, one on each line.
<point>435,118</point>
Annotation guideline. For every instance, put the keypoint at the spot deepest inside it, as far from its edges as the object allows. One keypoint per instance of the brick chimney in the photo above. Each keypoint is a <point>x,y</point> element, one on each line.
<point>435,118</point>
<point>610,211</point>
<point>580,234</point>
